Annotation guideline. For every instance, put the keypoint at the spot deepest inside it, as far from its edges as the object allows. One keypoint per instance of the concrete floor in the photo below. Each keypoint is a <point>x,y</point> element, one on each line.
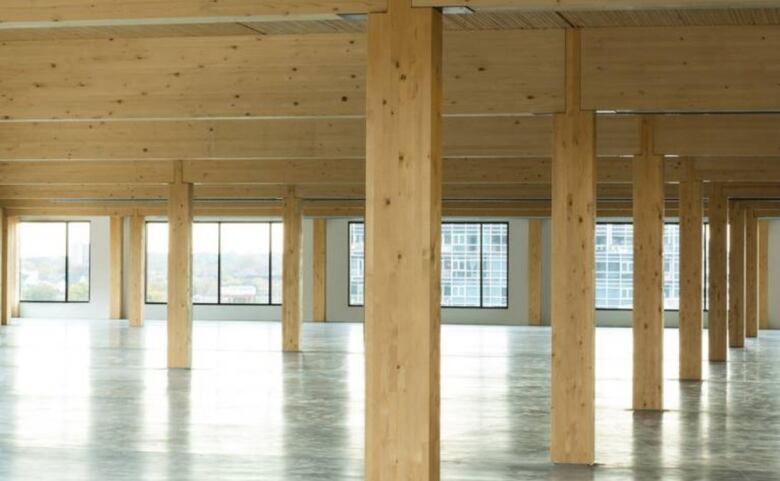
<point>92,400</point>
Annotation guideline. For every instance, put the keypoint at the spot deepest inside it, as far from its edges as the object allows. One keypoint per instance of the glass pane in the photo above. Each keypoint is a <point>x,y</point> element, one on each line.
<point>78,261</point>
<point>672,266</point>
<point>356,259</point>
<point>42,261</point>
<point>277,251</point>
<point>494,265</point>
<point>460,265</point>
<point>157,262</point>
<point>205,263</point>
<point>245,263</point>
<point>614,266</point>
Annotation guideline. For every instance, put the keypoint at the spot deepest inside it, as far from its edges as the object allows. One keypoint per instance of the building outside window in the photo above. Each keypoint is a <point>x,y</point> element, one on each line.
<point>474,264</point>
<point>236,263</point>
<point>54,261</point>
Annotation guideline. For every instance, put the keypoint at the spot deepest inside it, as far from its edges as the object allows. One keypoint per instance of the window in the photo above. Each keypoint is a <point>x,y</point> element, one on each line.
<point>615,266</point>
<point>54,261</point>
<point>474,264</point>
<point>237,263</point>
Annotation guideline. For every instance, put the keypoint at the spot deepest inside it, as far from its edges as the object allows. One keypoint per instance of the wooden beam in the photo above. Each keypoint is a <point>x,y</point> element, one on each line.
<point>180,216</point>
<point>320,269</point>
<point>403,188</point>
<point>648,313</point>
<point>704,68</point>
<point>292,275</point>
<point>596,5</point>
<point>135,275</point>
<point>763,274</point>
<point>86,172</point>
<point>736,275</point>
<point>751,273</point>
<point>115,266</point>
<point>717,320</point>
<point>534,272</point>
<point>66,11</point>
<point>691,279</point>
<point>573,267</point>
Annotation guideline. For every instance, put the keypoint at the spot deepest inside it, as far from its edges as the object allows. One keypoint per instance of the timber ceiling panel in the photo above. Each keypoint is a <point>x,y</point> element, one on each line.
<point>280,75</point>
<point>673,18</point>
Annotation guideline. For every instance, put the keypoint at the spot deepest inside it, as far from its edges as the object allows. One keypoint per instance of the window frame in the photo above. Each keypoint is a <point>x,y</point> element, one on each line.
<point>481,265</point>
<point>219,302</point>
<point>705,267</point>
<point>67,263</point>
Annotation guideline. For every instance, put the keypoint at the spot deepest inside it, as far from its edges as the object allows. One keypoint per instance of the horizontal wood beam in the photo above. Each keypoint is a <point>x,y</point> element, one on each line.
<point>597,5</point>
<point>63,11</point>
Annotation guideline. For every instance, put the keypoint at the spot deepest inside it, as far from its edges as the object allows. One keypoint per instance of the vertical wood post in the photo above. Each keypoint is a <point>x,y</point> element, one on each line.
<point>319,274</point>
<point>751,273</point>
<point>717,320</point>
<point>12,261</point>
<point>291,272</point>
<point>403,237</point>
<point>534,272</point>
<point>115,265</point>
<point>135,274</point>
<point>5,308</point>
<point>763,274</point>
<point>691,227</point>
<point>180,272</point>
<point>573,272</point>
<point>648,274</point>
<point>736,275</point>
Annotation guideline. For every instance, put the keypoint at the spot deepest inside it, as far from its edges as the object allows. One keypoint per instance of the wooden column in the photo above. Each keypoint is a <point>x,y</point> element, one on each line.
<point>135,273</point>
<point>291,273</point>
<point>319,274</point>
<point>403,237</point>
<point>751,273</point>
<point>534,272</point>
<point>9,297</point>
<point>763,274</point>
<point>717,320</point>
<point>573,272</point>
<point>115,264</point>
<point>691,227</point>
<point>736,275</point>
<point>180,272</point>
<point>648,274</point>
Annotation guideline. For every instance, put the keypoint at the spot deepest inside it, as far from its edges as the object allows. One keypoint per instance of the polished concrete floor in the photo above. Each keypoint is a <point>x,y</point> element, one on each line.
<point>93,401</point>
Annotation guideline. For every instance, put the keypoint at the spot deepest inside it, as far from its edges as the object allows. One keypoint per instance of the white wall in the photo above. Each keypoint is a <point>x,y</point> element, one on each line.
<point>98,305</point>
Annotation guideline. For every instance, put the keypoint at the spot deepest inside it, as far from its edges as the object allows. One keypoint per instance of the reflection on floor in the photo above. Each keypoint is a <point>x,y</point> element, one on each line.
<point>92,400</point>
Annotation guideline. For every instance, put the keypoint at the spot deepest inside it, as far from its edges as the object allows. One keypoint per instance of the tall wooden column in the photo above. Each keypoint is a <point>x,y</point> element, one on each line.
<point>691,226</point>
<point>736,275</point>
<point>751,273</point>
<point>180,272</point>
<point>403,229</point>
<point>573,272</point>
<point>291,272</point>
<point>648,274</point>
<point>717,320</point>
<point>534,272</point>
<point>135,273</point>
<point>319,274</point>
<point>9,274</point>
<point>115,265</point>
<point>763,274</point>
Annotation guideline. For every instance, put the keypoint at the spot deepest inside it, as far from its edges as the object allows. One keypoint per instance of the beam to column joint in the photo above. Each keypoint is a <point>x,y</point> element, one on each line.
<point>403,237</point>
<point>179,272</point>
<point>573,267</point>
<point>291,272</point>
<point>691,227</point>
